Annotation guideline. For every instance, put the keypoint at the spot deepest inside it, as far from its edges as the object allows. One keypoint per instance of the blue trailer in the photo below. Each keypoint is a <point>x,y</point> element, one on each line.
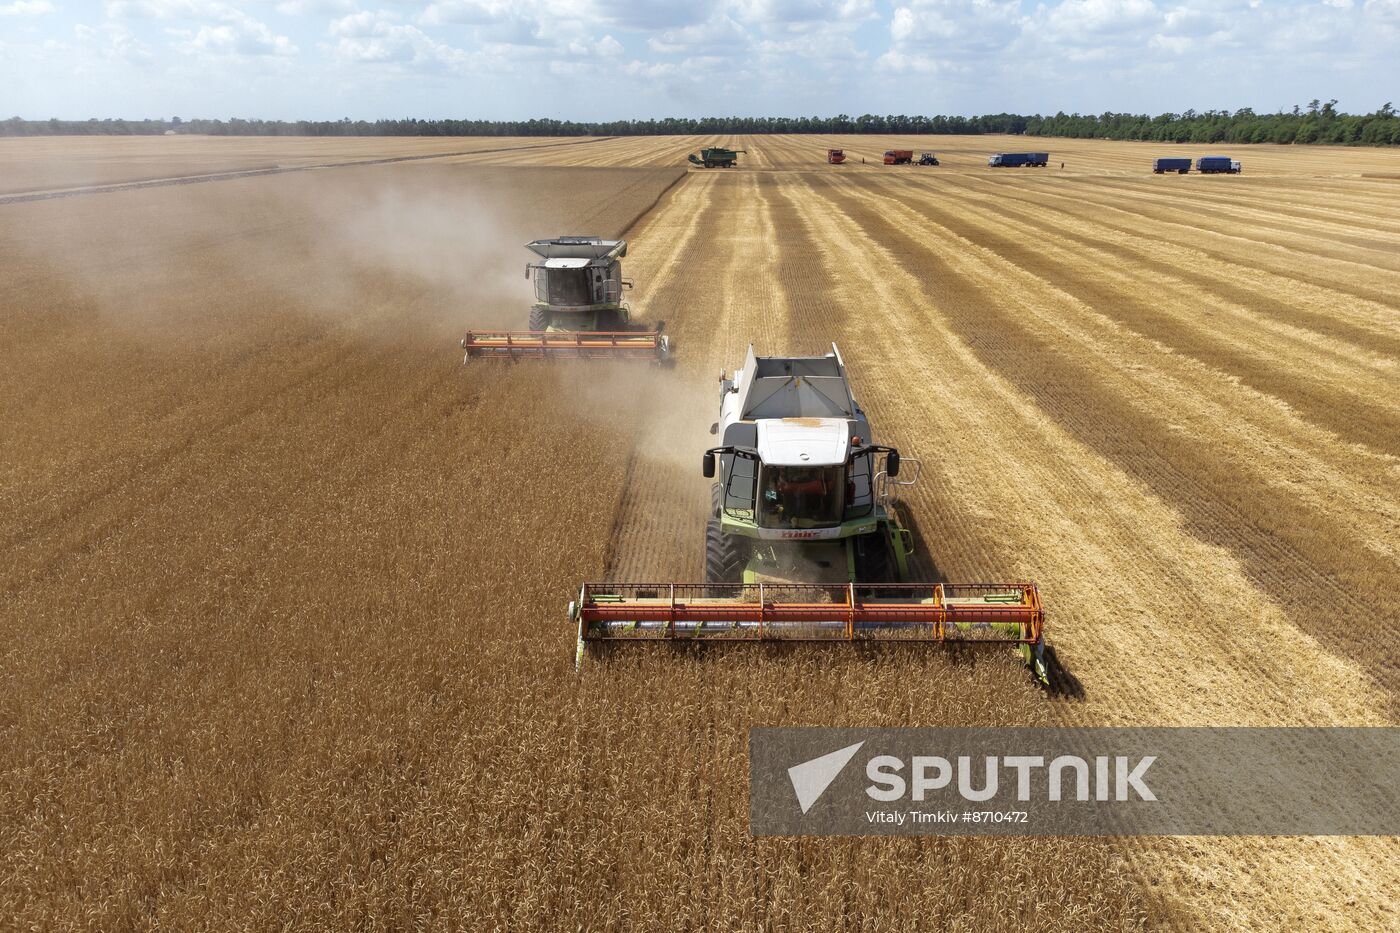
<point>1217,165</point>
<point>1016,159</point>
<point>1180,166</point>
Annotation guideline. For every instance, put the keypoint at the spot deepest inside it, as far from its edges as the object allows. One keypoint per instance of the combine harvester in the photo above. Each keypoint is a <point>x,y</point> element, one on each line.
<point>578,312</point>
<point>716,157</point>
<point>803,495</point>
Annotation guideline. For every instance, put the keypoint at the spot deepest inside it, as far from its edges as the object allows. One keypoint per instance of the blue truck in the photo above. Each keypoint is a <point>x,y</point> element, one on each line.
<point>1217,165</point>
<point>1181,166</point>
<point>1014,159</point>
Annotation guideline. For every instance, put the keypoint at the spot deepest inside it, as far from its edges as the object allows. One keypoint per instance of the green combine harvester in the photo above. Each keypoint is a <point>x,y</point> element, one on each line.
<point>804,539</point>
<point>717,158</point>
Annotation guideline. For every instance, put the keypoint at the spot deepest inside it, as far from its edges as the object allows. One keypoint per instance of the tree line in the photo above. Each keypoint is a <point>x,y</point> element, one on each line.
<point>1317,122</point>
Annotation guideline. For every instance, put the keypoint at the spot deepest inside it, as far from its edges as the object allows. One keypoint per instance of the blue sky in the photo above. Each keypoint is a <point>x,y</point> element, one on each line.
<point>604,59</point>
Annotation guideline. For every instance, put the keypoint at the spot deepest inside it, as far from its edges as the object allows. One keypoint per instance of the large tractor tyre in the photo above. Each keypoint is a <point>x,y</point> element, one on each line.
<point>724,561</point>
<point>875,561</point>
<point>539,319</point>
<point>716,500</point>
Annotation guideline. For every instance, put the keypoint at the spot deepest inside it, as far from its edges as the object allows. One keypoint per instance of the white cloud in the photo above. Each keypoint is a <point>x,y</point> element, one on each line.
<point>113,42</point>
<point>698,56</point>
<point>649,15</point>
<point>310,7</point>
<point>220,29</point>
<point>720,35</point>
<point>27,8</point>
<point>163,9</point>
<point>943,36</point>
<point>804,13</point>
<point>362,24</point>
<point>378,38</point>
<point>1385,11</point>
<point>1094,22</point>
<point>245,37</point>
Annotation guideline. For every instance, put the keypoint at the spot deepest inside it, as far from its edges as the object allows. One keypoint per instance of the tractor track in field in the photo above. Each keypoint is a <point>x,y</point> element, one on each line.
<point>907,262</point>
<point>1283,299</point>
<point>1302,215</point>
<point>297,591</point>
<point>1313,575</point>
<point>763,282</point>
<point>26,197</point>
<point>1332,385</point>
<point>658,265</point>
<point>1197,627</point>
<point>1331,269</point>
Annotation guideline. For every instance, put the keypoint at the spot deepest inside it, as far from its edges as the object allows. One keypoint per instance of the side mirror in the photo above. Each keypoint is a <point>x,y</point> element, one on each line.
<point>707,466</point>
<point>714,428</point>
<point>892,464</point>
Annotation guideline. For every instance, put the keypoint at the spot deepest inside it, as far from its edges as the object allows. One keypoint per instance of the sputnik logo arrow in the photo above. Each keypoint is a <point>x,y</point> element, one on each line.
<point>811,778</point>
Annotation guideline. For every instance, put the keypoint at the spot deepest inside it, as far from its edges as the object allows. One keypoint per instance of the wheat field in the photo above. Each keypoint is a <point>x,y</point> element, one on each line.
<point>284,583</point>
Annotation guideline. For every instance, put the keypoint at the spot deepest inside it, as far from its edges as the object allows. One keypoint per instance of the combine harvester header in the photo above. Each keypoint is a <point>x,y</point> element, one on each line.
<point>928,612</point>
<point>804,541</point>
<point>578,313</point>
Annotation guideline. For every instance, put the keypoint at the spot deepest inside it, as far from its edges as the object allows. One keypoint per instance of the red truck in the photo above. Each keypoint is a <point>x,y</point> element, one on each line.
<point>899,156</point>
<point>836,156</point>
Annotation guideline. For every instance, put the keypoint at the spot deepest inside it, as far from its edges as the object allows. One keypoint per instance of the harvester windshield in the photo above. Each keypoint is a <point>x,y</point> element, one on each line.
<point>801,497</point>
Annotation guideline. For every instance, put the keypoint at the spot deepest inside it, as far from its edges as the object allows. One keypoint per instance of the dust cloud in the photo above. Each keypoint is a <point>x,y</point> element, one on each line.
<point>386,253</point>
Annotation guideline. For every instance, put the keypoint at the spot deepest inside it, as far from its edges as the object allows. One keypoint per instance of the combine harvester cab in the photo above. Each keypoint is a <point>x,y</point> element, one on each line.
<point>804,541</point>
<point>716,157</point>
<point>579,311</point>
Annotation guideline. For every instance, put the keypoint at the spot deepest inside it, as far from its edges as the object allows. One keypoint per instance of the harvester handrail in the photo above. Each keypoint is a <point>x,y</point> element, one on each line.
<point>884,482</point>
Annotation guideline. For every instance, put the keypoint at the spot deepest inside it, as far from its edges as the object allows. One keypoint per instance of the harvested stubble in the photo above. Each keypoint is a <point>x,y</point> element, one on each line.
<point>288,585</point>
<point>1190,532</point>
<point>285,588</point>
<point>43,163</point>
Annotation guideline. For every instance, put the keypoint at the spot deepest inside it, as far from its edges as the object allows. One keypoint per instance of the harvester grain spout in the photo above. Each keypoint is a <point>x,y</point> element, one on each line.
<point>579,312</point>
<point>804,540</point>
